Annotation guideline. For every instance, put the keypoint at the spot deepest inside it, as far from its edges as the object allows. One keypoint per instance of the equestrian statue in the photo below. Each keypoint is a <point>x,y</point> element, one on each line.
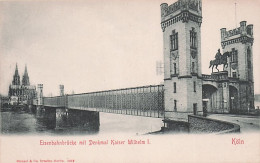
<point>219,60</point>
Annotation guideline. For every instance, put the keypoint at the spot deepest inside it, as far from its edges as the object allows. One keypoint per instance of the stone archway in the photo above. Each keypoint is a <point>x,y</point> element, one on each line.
<point>233,99</point>
<point>209,98</point>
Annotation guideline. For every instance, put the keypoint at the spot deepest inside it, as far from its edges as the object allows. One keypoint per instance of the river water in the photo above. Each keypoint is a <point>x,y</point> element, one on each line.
<point>49,121</point>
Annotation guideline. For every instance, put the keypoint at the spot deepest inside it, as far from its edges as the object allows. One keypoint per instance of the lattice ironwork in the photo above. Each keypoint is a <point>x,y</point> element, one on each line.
<point>58,101</point>
<point>143,101</point>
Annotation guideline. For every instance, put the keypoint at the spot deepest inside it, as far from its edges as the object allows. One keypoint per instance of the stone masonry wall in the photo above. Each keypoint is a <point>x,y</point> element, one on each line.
<point>205,125</point>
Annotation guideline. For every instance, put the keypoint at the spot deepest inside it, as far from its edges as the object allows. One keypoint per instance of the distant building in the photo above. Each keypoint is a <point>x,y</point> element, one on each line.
<point>21,93</point>
<point>4,101</point>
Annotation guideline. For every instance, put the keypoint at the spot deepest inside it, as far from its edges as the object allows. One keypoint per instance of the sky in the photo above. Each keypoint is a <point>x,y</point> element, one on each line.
<point>100,45</point>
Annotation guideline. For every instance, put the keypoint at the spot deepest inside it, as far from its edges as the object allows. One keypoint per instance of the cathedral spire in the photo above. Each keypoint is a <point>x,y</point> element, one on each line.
<point>25,71</point>
<point>16,71</point>
<point>16,77</point>
<point>25,80</point>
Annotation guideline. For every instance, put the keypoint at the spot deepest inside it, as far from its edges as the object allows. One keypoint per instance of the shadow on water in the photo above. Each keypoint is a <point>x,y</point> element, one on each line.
<point>49,121</point>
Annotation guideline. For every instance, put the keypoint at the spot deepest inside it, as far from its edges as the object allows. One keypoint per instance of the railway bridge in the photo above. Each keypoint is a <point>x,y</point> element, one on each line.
<point>140,101</point>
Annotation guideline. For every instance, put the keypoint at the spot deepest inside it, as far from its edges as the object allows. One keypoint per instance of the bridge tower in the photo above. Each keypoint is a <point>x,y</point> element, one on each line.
<point>239,42</point>
<point>180,23</point>
<point>39,94</point>
<point>61,90</point>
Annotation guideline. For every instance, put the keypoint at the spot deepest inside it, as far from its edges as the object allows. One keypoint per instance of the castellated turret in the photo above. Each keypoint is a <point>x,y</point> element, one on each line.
<point>239,42</point>
<point>243,30</point>
<point>182,10</point>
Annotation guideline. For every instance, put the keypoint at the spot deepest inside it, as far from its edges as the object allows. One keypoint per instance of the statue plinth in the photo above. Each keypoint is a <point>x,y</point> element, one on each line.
<point>220,73</point>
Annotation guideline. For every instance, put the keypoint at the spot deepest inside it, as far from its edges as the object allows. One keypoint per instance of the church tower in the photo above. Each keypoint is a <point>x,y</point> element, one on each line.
<point>180,23</point>
<point>239,42</point>
<point>16,77</point>
<point>25,80</point>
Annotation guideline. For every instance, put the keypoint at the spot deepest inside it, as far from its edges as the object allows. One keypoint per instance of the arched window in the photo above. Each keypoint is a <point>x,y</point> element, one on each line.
<point>249,57</point>
<point>193,38</point>
<point>174,40</point>
<point>234,55</point>
<point>192,67</point>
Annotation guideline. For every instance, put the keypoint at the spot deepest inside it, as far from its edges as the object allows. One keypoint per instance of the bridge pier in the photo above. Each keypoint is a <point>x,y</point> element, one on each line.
<point>67,120</point>
<point>46,117</point>
<point>78,119</point>
<point>61,118</point>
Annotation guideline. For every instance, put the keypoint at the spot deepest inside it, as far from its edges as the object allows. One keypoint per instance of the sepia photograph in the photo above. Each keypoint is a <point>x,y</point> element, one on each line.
<point>129,81</point>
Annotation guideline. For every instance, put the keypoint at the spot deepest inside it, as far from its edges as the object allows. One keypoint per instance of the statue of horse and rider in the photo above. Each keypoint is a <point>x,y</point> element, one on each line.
<point>219,60</point>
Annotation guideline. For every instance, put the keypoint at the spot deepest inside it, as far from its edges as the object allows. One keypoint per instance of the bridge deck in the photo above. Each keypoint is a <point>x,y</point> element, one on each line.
<point>148,113</point>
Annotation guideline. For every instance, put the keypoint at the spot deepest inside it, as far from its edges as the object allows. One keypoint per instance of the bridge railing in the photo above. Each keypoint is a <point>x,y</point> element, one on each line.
<point>216,76</point>
<point>207,77</point>
<point>57,101</point>
<point>138,100</point>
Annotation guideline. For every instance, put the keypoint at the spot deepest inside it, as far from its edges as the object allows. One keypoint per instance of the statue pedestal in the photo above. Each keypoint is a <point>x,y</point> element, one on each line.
<point>221,75</point>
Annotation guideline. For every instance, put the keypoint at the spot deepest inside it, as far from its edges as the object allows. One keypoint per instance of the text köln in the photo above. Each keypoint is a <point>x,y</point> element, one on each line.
<point>237,141</point>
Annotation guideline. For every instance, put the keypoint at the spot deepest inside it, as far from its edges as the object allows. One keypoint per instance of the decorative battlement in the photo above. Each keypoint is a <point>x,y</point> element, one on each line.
<point>182,10</point>
<point>194,5</point>
<point>230,33</point>
<point>166,10</point>
<point>243,34</point>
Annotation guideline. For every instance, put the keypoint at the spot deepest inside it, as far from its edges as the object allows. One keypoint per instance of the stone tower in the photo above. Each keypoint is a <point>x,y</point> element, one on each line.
<point>239,42</point>
<point>25,80</point>
<point>61,90</point>
<point>40,94</point>
<point>16,77</point>
<point>180,24</point>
